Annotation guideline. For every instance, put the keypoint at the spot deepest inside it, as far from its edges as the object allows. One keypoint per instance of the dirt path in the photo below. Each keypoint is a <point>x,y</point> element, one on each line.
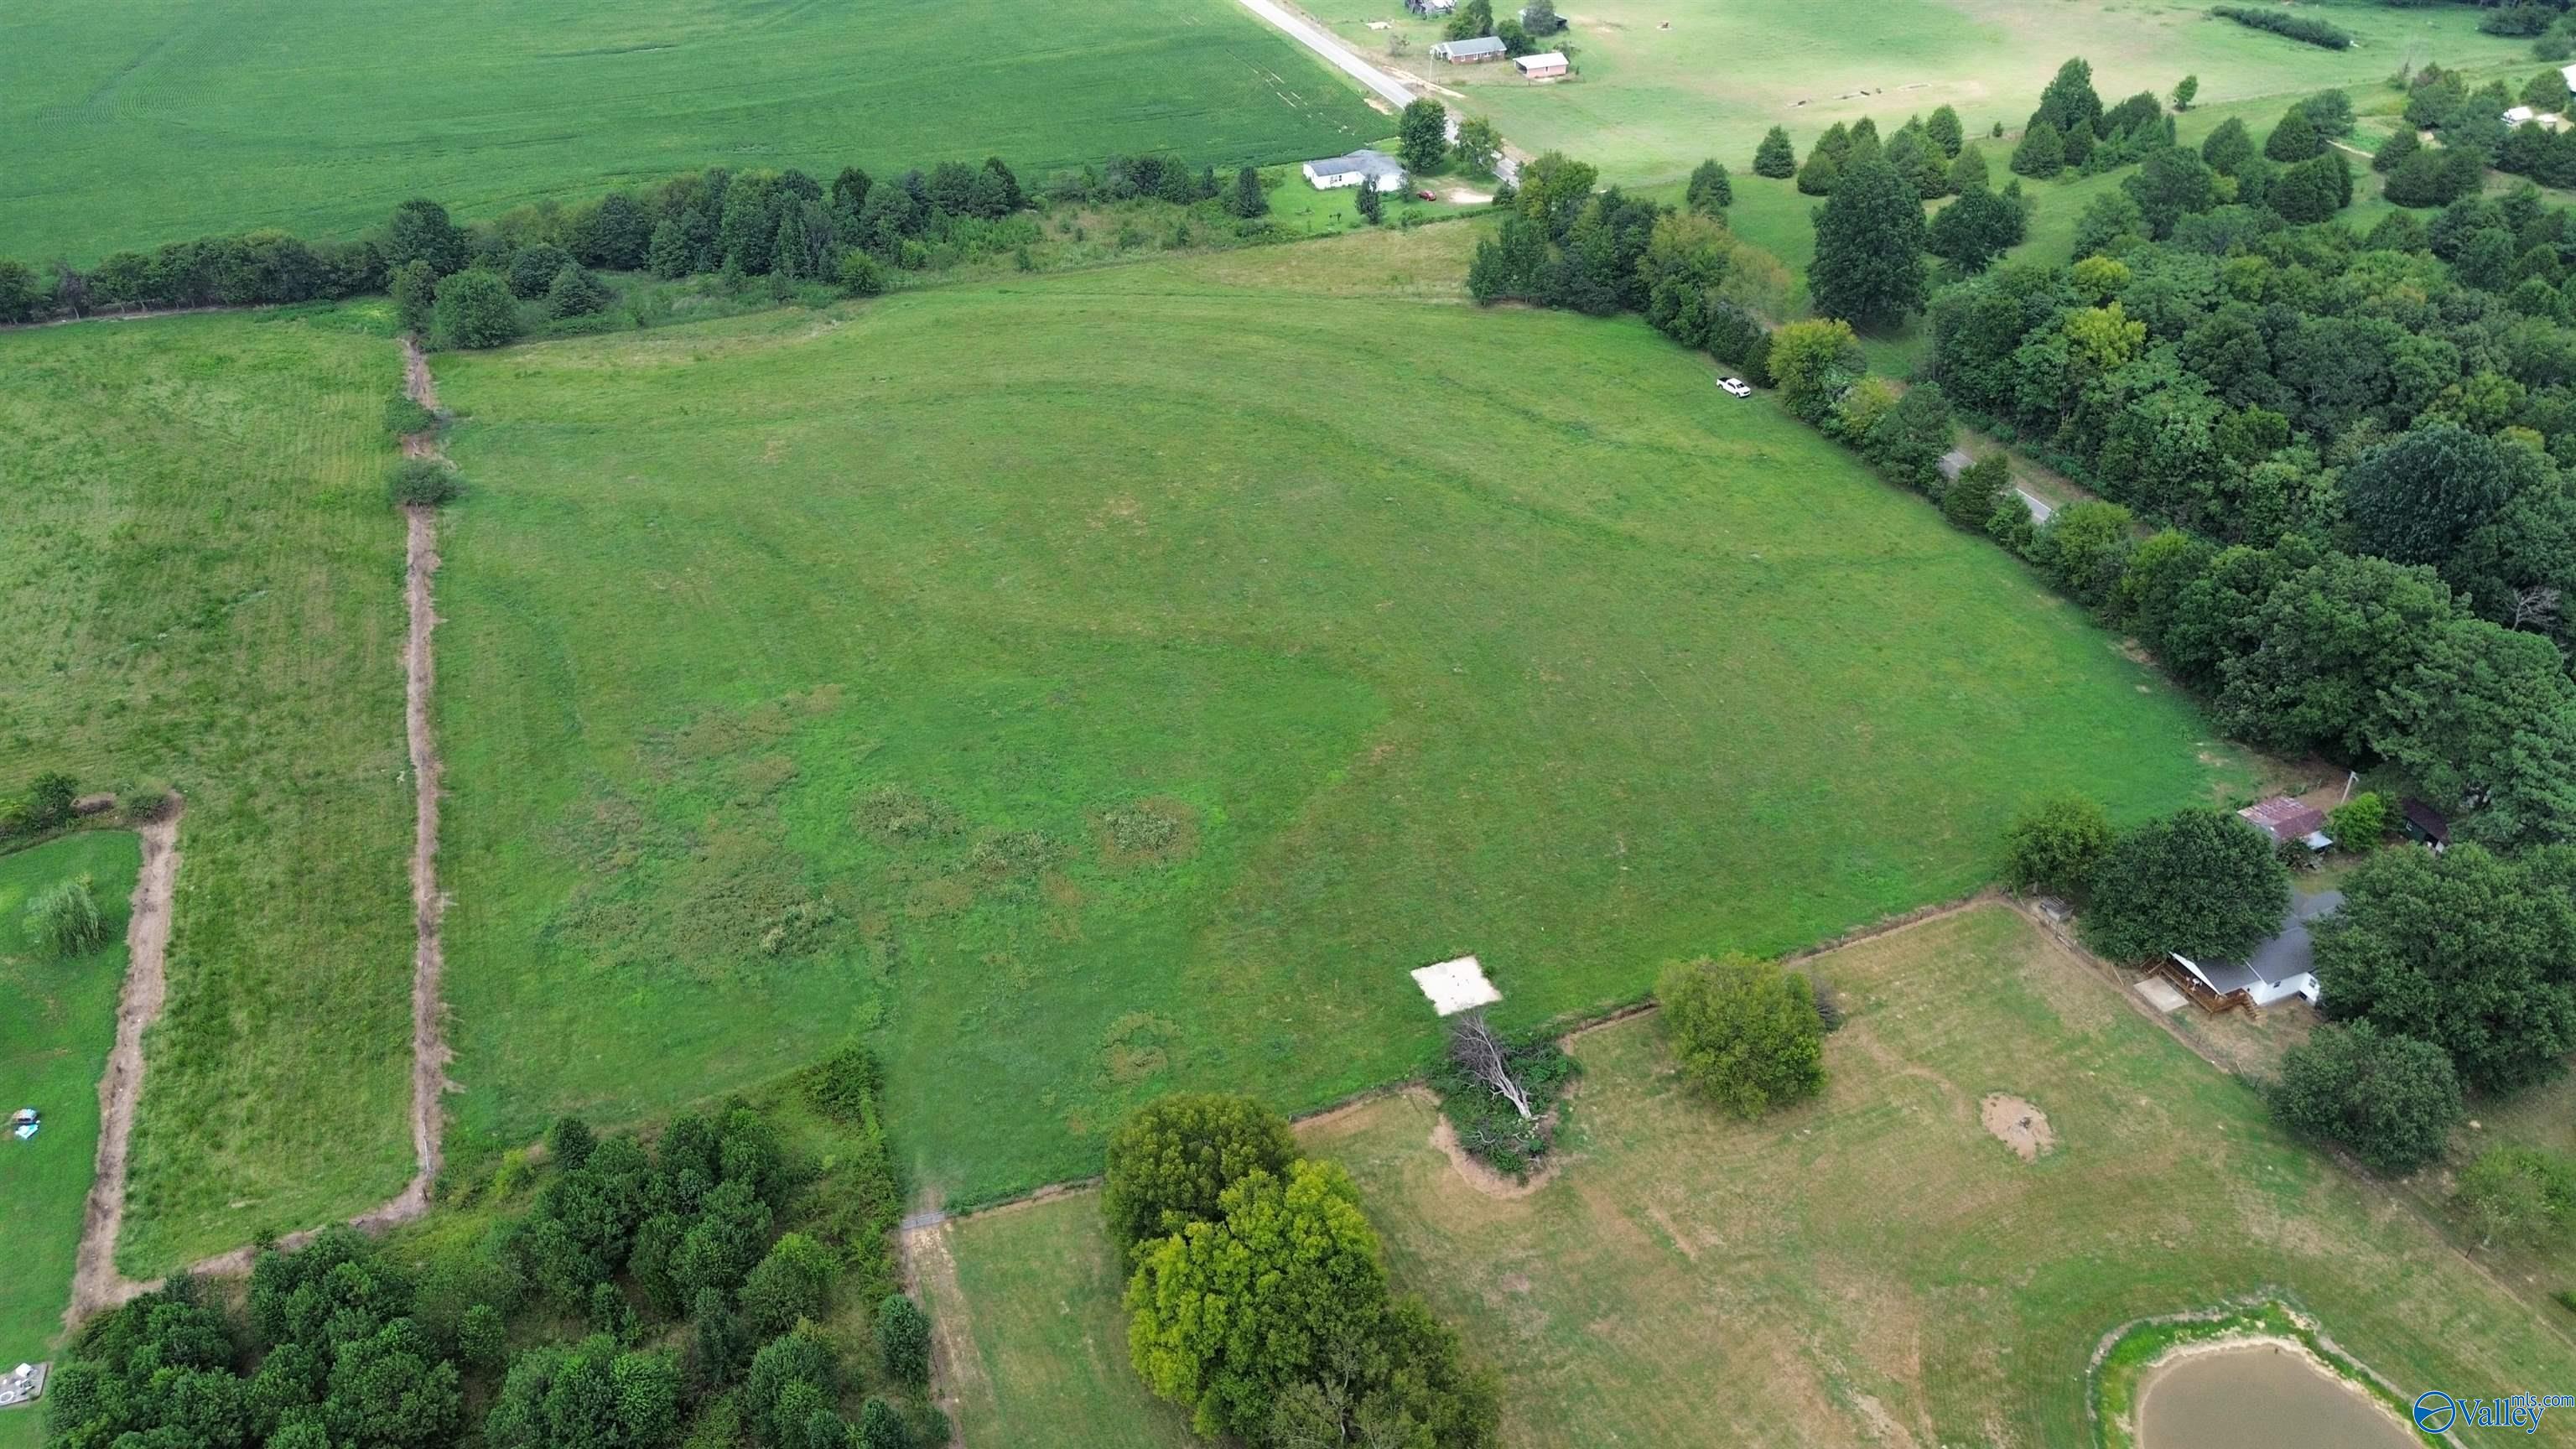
<point>96,1285</point>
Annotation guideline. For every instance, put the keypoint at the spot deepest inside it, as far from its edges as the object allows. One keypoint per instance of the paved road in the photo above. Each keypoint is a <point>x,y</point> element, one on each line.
<point>1334,52</point>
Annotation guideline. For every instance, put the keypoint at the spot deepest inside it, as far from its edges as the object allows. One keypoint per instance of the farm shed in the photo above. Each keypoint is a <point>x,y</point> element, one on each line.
<point>1373,168</point>
<point>2280,968</point>
<point>1542,66</point>
<point>1468,52</point>
<point>1431,7</point>
<point>2425,824</point>
<point>2284,820</point>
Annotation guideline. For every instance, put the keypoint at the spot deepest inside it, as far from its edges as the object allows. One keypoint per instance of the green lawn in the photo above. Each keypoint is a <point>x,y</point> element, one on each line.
<point>1871,1268</point>
<point>134,122</point>
<point>54,1037</point>
<point>1097,683</point>
<point>202,584</point>
<point>1648,102</point>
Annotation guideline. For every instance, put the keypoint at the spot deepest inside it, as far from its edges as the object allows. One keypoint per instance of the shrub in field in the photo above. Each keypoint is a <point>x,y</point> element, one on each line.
<point>65,918</point>
<point>903,1338</point>
<point>2296,27</point>
<point>425,482</point>
<point>1173,1158</point>
<point>2522,1196</point>
<point>2391,1099</point>
<point>404,417</point>
<point>2056,844</point>
<point>474,309</point>
<point>1747,1034</point>
<point>2200,882</point>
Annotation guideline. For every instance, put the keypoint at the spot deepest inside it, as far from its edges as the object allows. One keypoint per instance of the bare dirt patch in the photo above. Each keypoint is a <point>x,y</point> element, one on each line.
<point>2018,1125</point>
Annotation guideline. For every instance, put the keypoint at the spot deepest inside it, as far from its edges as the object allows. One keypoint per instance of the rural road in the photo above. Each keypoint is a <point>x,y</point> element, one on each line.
<point>1335,54</point>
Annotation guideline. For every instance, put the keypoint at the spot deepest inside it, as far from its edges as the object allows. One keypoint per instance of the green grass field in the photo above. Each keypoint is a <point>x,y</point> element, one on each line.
<point>1648,103</point>
<point>135,122</point>
<point>54,1037</point>
<point>1094,684</point>
<point>203,587</point>
<point>1873,1267</point>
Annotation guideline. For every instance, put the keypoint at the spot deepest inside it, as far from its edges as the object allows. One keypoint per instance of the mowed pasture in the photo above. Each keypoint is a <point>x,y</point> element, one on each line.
<point>1648,102</point>
<point>203,588</point>
<point>1096,684</point>
<point>135,122</point>
<point>54,1038</point>
<point>1870,1268</point>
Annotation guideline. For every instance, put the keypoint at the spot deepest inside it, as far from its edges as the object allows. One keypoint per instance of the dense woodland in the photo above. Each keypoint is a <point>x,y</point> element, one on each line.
<point>720,1283</point>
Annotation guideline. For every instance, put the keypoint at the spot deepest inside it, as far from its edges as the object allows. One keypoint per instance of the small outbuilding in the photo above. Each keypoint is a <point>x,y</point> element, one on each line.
<point>1546,65</point>
<point>2279,969</point>
<point>1476,51</point>
<point>2425,825</point>
<point>2284,820</point>
<point>1363,167</point>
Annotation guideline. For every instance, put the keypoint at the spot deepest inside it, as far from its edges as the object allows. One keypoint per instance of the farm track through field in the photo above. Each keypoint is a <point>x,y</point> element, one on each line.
<point>96,1284</point>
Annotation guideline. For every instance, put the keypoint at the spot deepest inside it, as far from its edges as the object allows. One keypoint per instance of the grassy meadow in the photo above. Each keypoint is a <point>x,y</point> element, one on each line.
<point>1659,86</point>
<point>136,122</point>
<point>54,1040</point>
<point>1100,683</point>
<point>1872,1267</point>
<point>203,587</point>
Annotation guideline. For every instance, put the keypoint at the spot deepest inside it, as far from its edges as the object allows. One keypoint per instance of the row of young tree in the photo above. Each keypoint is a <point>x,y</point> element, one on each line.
<point>2449,975</point>
<point>642,1291</point>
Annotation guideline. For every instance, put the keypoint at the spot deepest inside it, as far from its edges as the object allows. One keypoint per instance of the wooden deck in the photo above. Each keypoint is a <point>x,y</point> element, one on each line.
<point>2197,991</point>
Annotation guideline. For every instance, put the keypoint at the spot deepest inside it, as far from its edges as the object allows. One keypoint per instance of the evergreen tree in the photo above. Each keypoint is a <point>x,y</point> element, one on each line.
<point>1710,192</point>
<point>1249,199</point>
<point>2069,101</point>
<point>1868,267</point>
<point>2401,143</point>
<point>2042,152</point>
<point>1774,157</point>
<point>2295,139</point>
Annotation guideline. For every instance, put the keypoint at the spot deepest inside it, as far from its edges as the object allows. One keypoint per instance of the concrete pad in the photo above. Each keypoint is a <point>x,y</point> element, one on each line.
<point>2160,993</point>
<point>1455,986</point>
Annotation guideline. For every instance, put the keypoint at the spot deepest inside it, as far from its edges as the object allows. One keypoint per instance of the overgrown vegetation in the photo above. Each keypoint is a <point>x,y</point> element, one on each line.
<point>1504,1098</point>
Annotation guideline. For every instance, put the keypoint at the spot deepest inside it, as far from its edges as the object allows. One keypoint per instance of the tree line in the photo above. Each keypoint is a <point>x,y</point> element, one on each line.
<point>630,1293</point>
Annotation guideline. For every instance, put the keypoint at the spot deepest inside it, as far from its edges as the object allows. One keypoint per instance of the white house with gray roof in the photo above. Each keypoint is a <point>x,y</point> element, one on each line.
<point>1362,167</point>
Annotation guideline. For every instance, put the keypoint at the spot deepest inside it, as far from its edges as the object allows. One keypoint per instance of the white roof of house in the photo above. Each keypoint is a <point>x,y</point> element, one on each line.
<point>1543,59</point>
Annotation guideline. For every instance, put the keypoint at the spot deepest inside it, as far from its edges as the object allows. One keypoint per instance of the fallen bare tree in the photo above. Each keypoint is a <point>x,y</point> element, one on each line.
<point>1481,1055</point>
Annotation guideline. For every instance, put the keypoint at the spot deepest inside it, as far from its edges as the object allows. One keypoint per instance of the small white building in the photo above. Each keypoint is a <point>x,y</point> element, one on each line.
<point>1546,65</point>
<point>1360,168</point>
